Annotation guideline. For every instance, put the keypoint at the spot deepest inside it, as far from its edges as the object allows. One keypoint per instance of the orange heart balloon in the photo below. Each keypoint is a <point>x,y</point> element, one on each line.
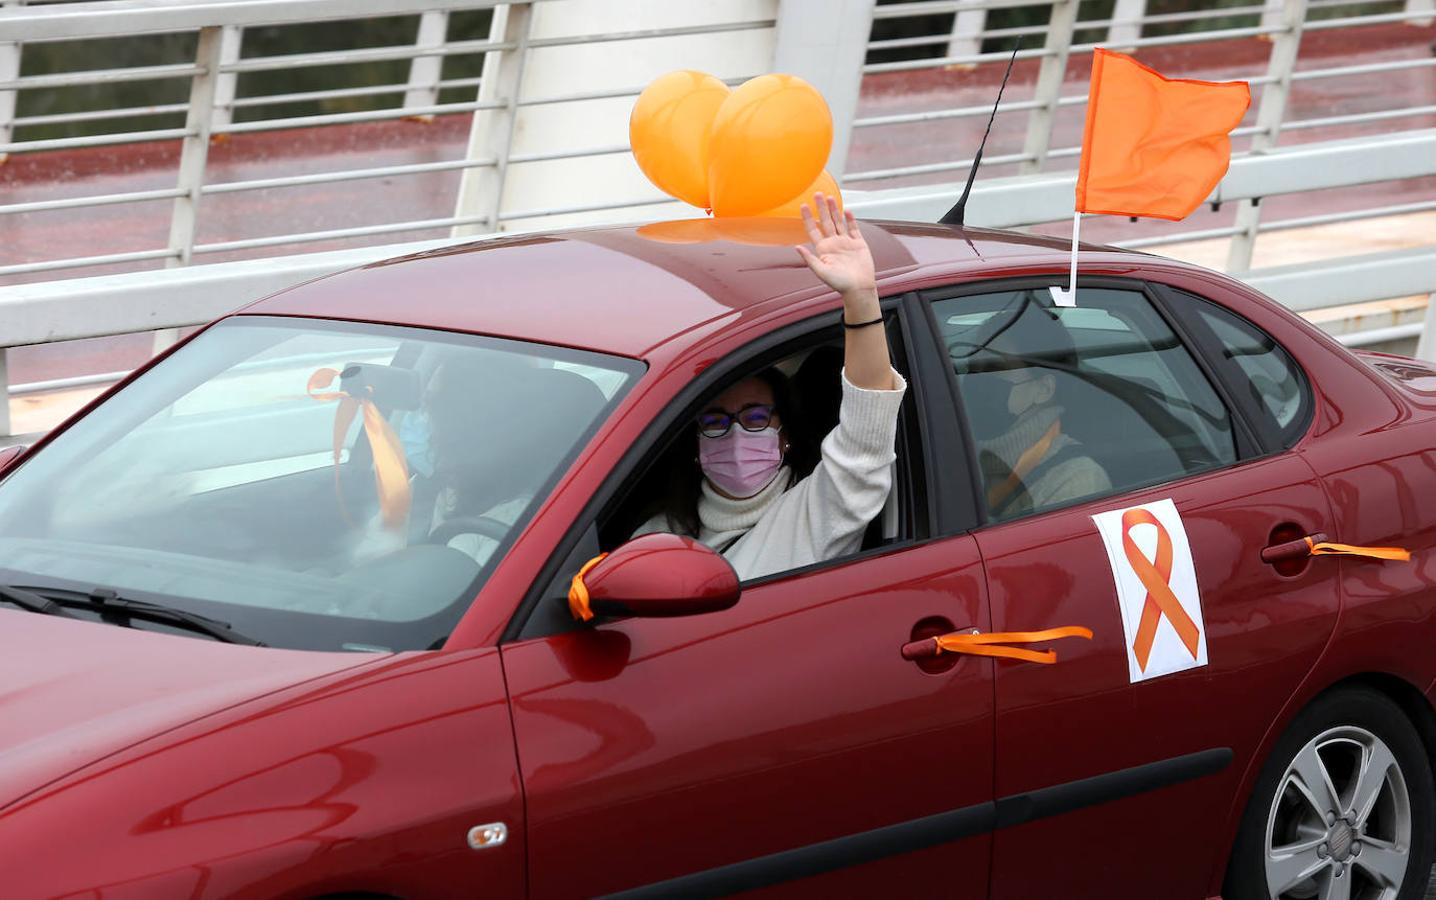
<point>770,139</point>
<point>669,128</point>
<point>825,183</point>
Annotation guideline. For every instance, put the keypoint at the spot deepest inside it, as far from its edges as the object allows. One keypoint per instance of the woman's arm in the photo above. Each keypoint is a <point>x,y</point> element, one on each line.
<point>840,257</point>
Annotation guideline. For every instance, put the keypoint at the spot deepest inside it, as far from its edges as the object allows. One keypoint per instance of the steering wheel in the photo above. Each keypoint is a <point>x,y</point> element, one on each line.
<point>488,526</point>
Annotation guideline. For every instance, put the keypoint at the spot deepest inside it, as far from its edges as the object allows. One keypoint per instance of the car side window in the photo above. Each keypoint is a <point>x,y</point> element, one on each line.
<point>668,474</point>
<point>807,387</point>
<point>1274,382</point>
<point>1068,404</point>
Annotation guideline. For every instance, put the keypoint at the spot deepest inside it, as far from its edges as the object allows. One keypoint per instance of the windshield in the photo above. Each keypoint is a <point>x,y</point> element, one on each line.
<point>316,485</point>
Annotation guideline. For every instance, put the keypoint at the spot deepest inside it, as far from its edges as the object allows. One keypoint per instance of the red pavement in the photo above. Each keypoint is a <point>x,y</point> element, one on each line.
<point>115,229</point>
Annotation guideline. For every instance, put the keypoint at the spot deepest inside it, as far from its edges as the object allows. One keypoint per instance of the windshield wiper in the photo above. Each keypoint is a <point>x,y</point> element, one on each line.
<point>107,603</point>
<point>33,602</point>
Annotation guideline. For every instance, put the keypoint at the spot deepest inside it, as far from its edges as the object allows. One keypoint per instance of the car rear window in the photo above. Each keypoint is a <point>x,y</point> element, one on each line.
<point>1275,383</point>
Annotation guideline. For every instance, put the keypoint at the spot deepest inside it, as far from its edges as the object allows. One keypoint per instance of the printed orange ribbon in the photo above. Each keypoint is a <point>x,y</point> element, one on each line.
<point>578,591</point>
<point>998,493</point>
<point>1155,576</point>
<point>391,470</point>
<point>989,644</point>
<point>1328,548</point>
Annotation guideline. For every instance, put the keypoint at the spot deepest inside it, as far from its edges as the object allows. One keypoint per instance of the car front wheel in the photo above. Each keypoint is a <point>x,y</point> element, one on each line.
<point>1343,810</point>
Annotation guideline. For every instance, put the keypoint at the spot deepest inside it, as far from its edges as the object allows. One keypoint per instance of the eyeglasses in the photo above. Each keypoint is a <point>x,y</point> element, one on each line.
<point>714,423</point>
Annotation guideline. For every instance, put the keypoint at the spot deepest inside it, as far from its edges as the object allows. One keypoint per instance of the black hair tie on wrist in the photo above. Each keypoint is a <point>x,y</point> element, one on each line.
<point>847,324</point>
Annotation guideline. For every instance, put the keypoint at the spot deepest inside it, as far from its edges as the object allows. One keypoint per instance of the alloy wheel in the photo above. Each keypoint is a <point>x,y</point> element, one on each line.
<point>1339,827</point>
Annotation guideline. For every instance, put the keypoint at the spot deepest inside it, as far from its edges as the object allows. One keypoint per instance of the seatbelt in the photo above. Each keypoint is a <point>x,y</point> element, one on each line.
<point>391,470</point>
<point>1069,452</point>
<point>999,493</point>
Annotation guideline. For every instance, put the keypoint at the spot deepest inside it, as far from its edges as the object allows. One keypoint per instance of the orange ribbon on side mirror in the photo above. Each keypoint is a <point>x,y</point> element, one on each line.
<point>990,644</point>
<point>1328,548</point>
<point>391,470</point>
<point>578,591</point>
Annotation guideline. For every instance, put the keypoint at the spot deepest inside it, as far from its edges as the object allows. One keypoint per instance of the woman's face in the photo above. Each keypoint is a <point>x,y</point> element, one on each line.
<point>747,392</point>
<point>746,456</point>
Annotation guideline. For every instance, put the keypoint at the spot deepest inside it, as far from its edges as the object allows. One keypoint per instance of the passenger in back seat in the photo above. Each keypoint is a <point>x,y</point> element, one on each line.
<point>1012,390</point>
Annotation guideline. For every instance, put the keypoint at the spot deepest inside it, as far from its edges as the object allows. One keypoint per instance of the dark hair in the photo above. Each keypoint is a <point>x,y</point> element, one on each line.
<point>684,478</point>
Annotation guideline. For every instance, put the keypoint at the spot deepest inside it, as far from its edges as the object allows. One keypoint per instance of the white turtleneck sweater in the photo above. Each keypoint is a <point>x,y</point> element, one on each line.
<point>786,526</point>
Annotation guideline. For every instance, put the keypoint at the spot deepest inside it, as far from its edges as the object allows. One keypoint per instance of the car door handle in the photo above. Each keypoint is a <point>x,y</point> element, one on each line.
<point>1297,549</point>
<point>976,643</point>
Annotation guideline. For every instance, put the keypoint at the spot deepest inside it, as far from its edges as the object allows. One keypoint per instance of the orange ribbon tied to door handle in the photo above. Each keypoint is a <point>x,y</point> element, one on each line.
<point>993,644</point>
<point>1328,548</point>
<point>1318,545</point>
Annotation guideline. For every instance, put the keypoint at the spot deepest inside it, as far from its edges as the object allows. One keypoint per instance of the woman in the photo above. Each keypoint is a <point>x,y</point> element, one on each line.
<point>748,507</point>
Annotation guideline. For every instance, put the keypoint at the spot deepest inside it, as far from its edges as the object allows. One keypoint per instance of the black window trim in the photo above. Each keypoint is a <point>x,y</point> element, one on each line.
<point>581,536</point>
<point>1267,434</point>
<point>1246,443</point>
<point>960,508</point>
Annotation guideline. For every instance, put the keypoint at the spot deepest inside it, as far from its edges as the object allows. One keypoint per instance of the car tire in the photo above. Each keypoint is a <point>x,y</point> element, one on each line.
<point>1336,753</point>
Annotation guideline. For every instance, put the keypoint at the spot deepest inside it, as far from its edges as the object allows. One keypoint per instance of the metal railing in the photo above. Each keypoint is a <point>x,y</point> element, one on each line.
<point>209,113</point>
<point>218,65</point>
<point>1282,23</point>
<point>120,304</point>
<point>507,90</point>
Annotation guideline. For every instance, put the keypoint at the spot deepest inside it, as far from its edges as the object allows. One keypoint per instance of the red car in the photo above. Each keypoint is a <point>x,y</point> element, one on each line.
<point>242,658</point>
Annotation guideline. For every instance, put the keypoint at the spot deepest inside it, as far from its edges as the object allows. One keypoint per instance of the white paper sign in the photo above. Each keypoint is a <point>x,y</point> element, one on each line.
<point>1157,592</point>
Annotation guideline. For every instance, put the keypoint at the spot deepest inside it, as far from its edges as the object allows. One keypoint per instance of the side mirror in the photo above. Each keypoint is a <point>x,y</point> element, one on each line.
<point>9,455</point>
<point>661,575</point>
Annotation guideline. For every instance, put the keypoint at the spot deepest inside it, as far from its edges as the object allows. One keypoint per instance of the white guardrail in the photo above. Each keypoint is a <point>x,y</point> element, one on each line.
<point>143,301</point>
<point>558,74</point>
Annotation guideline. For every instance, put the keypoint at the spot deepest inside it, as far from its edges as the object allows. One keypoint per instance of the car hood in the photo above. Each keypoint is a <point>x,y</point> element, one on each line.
<point>72,692</point>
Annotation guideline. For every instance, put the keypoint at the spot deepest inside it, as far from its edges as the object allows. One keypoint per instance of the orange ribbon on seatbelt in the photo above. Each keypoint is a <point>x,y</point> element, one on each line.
<point>998,493</point>
<point>990,644</point>
<point>1328,548</point>
<point>391,470</point>
<point>1155,576</point>
<point>578,591</point>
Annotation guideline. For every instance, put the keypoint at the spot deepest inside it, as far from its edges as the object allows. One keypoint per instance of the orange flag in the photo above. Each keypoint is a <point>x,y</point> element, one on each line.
<point>1154,146</point>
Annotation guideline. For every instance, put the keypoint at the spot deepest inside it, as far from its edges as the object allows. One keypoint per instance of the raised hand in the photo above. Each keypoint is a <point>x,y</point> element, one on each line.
<point>839,255</point>
<point>841,258</point>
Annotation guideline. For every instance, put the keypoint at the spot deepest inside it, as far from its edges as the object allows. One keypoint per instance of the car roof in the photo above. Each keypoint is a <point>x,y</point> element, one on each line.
<point>628,289</point>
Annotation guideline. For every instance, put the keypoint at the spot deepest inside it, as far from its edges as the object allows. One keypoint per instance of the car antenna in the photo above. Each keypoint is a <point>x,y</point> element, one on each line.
<point>954,216</point>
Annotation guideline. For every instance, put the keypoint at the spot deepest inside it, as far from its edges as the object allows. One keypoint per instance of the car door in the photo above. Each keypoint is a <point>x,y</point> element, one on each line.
<point>1114,779</point>
<point>783,743</point>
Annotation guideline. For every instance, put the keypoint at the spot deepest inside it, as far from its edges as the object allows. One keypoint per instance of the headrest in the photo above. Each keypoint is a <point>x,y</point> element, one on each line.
<point>1024,333</point>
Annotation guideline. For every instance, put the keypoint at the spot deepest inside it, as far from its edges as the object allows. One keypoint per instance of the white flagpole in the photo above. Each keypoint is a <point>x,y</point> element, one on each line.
<point>1069,296</point>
